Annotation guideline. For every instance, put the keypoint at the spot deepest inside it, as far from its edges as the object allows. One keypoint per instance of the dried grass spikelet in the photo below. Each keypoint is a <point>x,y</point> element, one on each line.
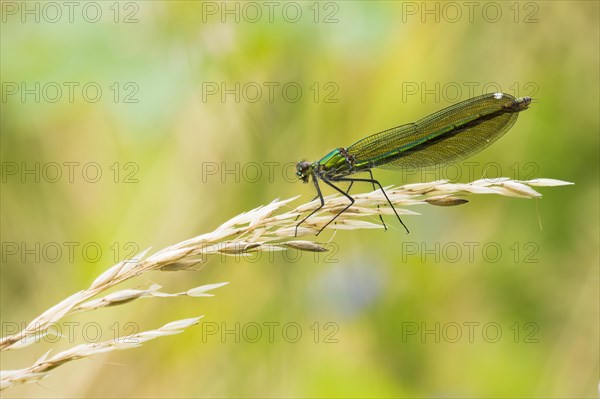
<point>267,228</point>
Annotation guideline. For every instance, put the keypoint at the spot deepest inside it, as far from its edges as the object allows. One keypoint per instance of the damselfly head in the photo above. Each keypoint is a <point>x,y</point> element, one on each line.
<point>303,170</point>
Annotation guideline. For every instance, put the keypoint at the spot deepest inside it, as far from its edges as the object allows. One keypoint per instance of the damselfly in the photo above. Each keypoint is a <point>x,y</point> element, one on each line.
<point>442,138</point>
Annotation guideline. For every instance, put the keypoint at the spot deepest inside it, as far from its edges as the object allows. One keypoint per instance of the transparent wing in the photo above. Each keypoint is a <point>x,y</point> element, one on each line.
<point>444,137</point>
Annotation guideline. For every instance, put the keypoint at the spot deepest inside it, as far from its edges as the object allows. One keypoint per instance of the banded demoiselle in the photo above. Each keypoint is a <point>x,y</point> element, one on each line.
<point>442,138</point>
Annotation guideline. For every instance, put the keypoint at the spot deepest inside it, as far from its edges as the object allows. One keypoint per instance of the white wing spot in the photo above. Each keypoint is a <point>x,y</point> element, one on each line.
<point>498,96</point>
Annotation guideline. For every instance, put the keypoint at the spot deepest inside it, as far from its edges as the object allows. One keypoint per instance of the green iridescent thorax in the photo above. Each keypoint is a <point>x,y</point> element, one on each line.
<point>335,162</point>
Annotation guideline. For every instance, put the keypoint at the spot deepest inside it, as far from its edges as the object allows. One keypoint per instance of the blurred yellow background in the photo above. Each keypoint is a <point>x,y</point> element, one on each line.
<point>128,125</point>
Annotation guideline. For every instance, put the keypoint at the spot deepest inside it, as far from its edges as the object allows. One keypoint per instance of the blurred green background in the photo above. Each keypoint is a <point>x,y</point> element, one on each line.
<point>384,314</point>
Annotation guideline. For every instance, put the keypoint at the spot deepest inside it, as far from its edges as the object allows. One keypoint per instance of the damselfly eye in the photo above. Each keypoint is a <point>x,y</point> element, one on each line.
<point>303,170</point>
